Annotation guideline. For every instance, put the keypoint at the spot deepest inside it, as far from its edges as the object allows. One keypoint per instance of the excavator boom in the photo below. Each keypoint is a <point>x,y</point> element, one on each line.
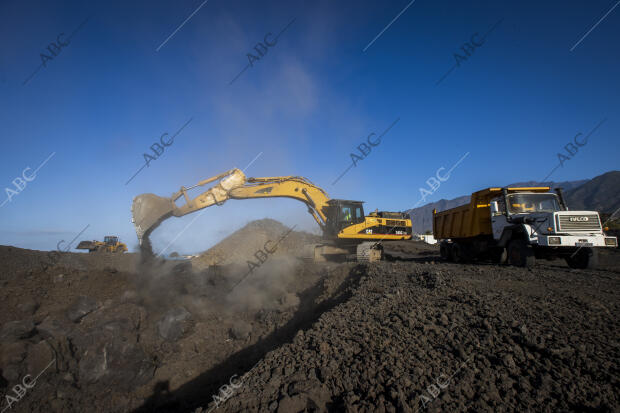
<point>150,210</point>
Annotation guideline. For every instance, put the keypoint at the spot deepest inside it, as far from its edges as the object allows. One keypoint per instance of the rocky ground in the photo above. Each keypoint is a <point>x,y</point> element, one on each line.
<point>106,333</point>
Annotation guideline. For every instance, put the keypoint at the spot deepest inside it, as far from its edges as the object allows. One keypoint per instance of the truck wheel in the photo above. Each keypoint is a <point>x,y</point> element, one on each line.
<point>584,258</point>
<point>499,256</point>
<point>456,253</point>
<point>520,254</point>
<point>444,251</point>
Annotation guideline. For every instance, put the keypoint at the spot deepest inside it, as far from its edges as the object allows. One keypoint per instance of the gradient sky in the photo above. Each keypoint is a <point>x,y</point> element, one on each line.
<point>305,106</point>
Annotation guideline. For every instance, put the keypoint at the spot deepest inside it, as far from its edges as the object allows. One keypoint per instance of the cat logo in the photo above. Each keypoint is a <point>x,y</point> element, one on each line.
<point>264,190</point>
<point>578,219</point>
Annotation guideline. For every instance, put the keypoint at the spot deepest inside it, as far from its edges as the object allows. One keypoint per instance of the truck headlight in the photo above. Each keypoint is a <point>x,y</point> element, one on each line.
<point>612,242</point>
<point>555,240</point>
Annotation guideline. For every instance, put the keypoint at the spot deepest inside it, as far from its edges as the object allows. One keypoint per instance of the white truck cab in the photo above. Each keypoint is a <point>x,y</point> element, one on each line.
<point>549,229</point>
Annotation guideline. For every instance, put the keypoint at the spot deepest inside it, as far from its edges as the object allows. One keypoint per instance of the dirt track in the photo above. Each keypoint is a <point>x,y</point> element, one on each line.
<point>294,336</point>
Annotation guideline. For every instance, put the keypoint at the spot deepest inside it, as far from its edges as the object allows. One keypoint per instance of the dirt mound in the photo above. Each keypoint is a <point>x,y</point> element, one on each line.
<point>120,331</point>
<point>243,244</point>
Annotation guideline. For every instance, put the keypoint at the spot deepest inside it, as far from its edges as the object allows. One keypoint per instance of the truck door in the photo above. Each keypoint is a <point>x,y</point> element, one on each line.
<point>498,218</point>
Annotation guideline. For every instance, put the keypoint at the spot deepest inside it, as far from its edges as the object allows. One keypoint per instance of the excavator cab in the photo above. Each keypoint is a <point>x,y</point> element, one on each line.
<point>342,213</point>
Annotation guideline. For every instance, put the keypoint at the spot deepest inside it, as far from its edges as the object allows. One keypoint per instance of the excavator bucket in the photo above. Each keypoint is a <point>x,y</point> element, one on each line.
<point>148,211</point>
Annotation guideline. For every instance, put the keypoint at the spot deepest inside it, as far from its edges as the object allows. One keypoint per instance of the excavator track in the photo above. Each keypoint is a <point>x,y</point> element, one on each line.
<point>369,252</point>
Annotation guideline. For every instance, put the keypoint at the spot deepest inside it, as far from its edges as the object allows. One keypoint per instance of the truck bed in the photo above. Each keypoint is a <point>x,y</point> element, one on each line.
<point>473,219</point>
<point>465,221</point>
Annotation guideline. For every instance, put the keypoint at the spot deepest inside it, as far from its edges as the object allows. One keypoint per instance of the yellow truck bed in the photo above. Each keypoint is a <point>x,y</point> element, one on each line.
<point>473,219</point>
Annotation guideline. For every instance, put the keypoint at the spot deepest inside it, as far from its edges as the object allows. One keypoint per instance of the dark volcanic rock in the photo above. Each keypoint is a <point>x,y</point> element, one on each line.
<point>111,356</point>
<point>80,308</point>
<point>174,324</point>
<point>28,307</point>
<point>50,327</point>
<point>240,331</point>
<point>16,330</point>
<point>447,337</point>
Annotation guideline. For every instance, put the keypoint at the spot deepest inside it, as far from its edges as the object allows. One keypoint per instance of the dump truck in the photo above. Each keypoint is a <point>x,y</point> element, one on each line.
<point>519,225</point>
<point>347,231</point>
<point>110,243</point>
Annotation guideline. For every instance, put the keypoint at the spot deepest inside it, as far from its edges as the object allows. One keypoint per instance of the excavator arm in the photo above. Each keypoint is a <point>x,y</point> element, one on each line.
<point>150,210</point>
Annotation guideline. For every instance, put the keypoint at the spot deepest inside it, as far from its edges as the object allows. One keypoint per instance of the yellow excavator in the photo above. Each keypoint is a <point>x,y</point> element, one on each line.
<point>346,230</point>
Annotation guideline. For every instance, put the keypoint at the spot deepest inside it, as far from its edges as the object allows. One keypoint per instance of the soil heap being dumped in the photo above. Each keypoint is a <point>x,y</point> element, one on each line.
<point>242,246</point>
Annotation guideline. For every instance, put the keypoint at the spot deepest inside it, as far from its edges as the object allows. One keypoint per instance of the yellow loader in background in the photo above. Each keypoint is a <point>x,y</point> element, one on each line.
<point>110,244</point>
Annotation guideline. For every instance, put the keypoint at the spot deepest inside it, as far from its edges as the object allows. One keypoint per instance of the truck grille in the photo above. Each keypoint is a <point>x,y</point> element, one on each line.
<point>582,222</point>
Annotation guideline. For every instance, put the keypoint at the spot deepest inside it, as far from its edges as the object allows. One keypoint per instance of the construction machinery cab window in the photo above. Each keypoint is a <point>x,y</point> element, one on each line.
<point>347,213</point>
<point>530,202</point>
<point>351,214</point>
<point>501,206</point>
<point>110,240</point>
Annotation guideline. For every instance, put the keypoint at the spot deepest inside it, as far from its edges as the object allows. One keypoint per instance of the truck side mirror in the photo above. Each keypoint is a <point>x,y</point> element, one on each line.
<point>494,208</point>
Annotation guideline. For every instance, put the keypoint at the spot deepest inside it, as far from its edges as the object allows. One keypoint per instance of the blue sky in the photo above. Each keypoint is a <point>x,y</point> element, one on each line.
<point>109,94</point>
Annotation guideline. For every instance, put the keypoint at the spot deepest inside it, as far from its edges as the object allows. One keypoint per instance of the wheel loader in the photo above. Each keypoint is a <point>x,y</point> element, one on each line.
<point>347,231</point>
<point>110,244</point>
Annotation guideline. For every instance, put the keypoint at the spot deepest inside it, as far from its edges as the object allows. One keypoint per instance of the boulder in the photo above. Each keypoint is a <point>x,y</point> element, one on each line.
<point>174,324</point>
<point>240,331</point>
<point>28,307</point>
<point>16,330</point>
<point>50,327</point>
<point>110,355</point>
<point>81,308</point>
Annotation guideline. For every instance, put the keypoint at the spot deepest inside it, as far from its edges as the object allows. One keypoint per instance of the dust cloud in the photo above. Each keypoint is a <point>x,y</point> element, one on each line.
<point>244,284</point>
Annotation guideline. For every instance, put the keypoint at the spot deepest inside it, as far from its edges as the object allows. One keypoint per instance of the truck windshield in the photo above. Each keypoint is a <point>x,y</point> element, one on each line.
<point>525,203</point>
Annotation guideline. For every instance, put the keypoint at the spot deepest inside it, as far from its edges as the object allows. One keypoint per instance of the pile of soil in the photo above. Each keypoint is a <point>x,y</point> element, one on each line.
<point>242,245</point>
<point>117,331</point>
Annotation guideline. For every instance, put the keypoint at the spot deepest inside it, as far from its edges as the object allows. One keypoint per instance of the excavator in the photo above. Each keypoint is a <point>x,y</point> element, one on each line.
<point>346,230</point>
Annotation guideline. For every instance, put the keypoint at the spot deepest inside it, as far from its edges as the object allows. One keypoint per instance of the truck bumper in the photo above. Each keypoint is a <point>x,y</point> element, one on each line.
<point>577,241</point>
